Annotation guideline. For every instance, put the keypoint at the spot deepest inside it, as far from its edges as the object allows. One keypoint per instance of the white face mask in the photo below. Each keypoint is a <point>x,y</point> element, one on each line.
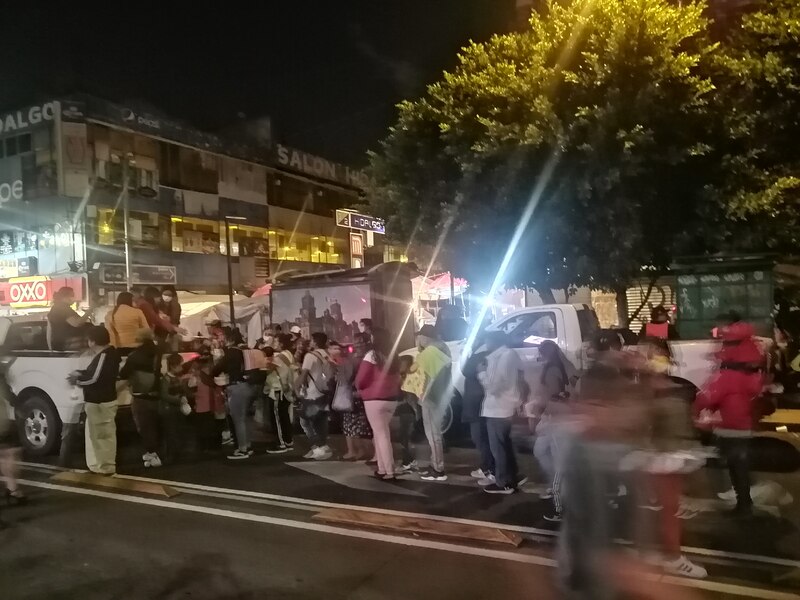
<point>166,298</point>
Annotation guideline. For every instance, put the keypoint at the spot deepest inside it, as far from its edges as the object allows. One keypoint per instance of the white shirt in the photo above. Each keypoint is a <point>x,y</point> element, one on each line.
<point>500,381</point>
<point>317,381</point>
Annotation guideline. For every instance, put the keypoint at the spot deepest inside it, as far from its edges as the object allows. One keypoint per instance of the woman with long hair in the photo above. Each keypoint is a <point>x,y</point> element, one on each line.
<point>558,374</point>
<point>148,304</point>
<point>124,322</point>
<point>378,383</point>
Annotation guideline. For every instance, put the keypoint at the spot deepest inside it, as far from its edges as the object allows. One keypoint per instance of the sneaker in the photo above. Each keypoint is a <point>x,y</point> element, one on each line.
<point>227,438</point>
<point>433,475</point>
<point>728,496</point>
<point>383,476</point>
<point>522,481</point>
<point>496,489</point>
<point>409,467</point>
<point>154,462</point>
<point>683,567</point>
<point>554,517</point>
<point>310,453</point>
<point>479,474</point>
<point>240,454</point>
<point>547,494</point>
<point>322,453</point>
<point>279,450</point>
<point>488,480</point>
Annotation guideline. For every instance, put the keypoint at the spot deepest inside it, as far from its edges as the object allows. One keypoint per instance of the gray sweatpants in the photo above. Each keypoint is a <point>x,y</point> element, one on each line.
<point>432,421</point>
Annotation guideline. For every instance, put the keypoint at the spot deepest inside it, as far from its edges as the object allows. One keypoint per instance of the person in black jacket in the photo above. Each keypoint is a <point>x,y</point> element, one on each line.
<point>99,384</point>
<point>143,372</point>
<point>472,401</point>
<point>239,392</point>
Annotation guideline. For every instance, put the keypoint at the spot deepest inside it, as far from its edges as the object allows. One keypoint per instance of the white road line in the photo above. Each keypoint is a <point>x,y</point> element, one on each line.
<point>726,588</point>
<point>302,503</point>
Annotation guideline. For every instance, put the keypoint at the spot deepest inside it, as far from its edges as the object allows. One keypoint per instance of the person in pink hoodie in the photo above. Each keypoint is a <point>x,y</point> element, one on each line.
<point>732,393</point>
<point>378,384</point>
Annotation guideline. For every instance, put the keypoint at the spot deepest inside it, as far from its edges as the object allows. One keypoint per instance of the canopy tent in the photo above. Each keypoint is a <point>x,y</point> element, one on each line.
<point>437,287</point>
<point>198,310</point>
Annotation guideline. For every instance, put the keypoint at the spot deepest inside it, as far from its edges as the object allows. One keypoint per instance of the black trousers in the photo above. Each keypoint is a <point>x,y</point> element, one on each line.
<point>279,412</point>
<point>735,451</point>
<point>207,431</point>
<point>480,437</point>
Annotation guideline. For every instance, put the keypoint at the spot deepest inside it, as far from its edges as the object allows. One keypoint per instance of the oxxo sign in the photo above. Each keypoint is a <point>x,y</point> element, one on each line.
<point>30,291</point>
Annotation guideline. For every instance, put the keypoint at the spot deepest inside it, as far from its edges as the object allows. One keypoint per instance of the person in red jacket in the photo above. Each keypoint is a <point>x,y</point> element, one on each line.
<point>731,393</point>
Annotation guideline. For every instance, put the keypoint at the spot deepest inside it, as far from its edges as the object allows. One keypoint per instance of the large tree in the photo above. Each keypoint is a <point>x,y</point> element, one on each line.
<point>758,74</point>
<point>597,116</point>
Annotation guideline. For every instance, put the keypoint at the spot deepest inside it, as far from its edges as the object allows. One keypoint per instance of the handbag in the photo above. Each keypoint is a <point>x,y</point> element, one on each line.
<point>343,398</point>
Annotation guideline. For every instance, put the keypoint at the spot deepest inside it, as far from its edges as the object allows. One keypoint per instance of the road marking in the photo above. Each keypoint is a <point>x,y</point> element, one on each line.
<point>303,503</point>
<point>726,588</point>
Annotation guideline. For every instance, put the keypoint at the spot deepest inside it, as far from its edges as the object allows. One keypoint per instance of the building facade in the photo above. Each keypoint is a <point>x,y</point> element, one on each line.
<point>63,164</point>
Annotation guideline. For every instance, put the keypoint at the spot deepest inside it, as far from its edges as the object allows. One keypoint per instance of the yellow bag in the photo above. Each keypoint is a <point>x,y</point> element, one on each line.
<point>414,382</point>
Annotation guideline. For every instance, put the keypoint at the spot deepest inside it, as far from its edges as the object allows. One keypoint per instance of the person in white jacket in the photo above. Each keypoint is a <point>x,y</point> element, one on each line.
<point>502,380</point>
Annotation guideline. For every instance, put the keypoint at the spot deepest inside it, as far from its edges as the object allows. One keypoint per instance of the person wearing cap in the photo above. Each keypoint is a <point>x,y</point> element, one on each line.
<point>433,363</point>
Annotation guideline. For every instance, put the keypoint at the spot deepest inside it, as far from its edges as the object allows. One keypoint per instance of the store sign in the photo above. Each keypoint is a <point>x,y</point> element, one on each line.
<point>319,167</point>
<point>354,220</point>
<point>9,267</point>
<point>22,119</point>
<point>111,274</point>
<point>10,191</point>
<point>30,291</point>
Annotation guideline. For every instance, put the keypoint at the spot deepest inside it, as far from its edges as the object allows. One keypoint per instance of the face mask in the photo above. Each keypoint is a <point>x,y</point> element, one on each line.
<point>166,298</point>
<point>362,328</point>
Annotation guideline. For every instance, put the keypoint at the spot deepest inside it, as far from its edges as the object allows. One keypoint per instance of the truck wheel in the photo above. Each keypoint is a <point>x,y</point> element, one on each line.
<point>38,425</point>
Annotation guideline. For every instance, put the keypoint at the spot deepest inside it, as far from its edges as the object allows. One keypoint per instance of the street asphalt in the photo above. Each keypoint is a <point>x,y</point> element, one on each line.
<point>243,530</point>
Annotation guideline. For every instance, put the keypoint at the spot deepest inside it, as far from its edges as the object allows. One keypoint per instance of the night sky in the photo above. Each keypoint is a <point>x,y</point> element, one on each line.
<point>328,72</point>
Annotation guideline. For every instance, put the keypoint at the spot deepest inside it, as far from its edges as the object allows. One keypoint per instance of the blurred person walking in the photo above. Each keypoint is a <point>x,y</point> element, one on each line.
<point>407,413</point>
<point>433,363</point>
<point>378,383</point>
<point>169,306</point>
<point>9,451</point>
<point>124,323</point>
<point>99,383</point>
<point>732,393</point>
<point>142,370</point>
<point>502,381</point>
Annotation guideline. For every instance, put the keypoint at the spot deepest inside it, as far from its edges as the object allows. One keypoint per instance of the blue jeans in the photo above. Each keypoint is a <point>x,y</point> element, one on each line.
<point>480,437</point>
<point>240,397</point>
<point>506,472</point>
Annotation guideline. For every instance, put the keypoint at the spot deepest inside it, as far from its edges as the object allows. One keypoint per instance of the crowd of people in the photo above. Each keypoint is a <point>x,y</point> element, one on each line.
<point>610,441</point>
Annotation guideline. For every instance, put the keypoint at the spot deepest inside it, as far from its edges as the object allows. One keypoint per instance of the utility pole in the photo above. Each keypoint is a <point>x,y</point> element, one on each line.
<point>125,221</point>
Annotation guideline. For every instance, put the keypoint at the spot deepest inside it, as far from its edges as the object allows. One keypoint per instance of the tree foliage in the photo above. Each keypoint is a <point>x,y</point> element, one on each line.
<point>614,95</point>
<point>758,74</point>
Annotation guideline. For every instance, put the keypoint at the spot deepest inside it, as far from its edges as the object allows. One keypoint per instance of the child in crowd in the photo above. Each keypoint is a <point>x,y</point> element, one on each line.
<point>208,404</point>
<point>173,407</point>
<point>407,412</point>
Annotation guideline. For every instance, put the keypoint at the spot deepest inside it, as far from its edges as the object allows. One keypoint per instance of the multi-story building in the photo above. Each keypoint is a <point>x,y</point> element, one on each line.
<point>62,165</point>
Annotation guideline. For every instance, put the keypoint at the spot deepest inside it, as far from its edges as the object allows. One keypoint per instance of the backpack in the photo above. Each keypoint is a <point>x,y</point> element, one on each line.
<point>327,384</point>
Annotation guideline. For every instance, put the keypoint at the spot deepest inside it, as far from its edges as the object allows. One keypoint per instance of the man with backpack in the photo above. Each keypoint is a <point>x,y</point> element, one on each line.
<point>279,391</point>
<point>313,388</point>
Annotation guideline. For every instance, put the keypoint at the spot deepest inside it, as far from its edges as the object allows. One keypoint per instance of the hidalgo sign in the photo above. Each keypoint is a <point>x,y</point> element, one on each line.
<point>22,119</point>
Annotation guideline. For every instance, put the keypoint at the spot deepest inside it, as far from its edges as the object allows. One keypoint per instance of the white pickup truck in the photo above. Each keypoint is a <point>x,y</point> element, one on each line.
<point>573,327</point>
<point>42,398</point>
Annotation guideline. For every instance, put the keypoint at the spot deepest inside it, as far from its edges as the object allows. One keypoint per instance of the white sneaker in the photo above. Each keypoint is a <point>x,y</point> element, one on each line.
<point>547,494</point>
<point>155,460</point>
<point>478,474</point>
<point>683,567</point>
<point>729,495</point>
<point>323,453</point>
<point>310,453</point>
<point>487,481</point>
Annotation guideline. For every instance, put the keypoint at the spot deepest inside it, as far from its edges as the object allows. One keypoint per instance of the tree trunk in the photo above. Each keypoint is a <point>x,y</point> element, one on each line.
<point>622,307</point>
<point>546,294</point>
<point>650,285</point>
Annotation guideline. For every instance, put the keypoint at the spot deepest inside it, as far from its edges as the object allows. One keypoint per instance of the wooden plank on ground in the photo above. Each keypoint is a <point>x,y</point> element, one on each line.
<point>121,484</point>
<point>419,526</point>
